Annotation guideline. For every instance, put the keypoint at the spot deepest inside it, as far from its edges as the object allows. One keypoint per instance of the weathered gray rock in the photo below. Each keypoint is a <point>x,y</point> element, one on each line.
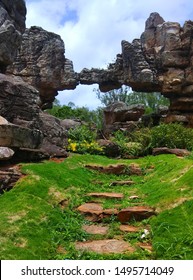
<point>119,116</point>
<point>19,137</point>
<point>41,62</point>
<point>6,153</point>
<point>12,25</point>
<point>165,150</point>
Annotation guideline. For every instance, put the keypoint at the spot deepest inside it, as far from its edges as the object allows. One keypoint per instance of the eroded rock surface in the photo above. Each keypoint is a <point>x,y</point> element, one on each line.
<point>41,62</point>
<point>12,25</point>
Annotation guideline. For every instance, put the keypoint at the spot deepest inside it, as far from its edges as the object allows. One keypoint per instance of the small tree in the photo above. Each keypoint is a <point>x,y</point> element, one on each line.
<point>150,100</point>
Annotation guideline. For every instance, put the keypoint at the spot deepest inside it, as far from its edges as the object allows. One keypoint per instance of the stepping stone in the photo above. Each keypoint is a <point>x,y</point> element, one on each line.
<point>128,228</point>
<point>95,229</point>
<point>107,195</point>
<point>94,212</point>
<point>107,246</point>
<point>122,183</point>
<point>145,246</point>
<point>116,169</point>
<point>134,169</point>
<point>137,213</point>
<point>92,208</point>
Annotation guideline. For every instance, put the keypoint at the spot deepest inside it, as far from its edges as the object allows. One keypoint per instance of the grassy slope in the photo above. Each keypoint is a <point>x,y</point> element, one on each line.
<point>33,226</point>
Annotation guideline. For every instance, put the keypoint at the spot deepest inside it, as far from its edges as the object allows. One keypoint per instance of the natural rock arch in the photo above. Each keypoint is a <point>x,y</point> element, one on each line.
<point>33,67</point>
<point>160,60</point>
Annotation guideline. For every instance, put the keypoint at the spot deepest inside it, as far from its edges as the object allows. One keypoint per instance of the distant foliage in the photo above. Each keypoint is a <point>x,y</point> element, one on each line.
<point>150,100</point>
<point>70,111</point>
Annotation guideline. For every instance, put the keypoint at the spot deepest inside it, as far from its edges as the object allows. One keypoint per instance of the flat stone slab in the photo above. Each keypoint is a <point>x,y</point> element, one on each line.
<point>94,212</point>
<point>128,228</point>
<point>93,208</point>
<point>116,169</point>
<point>107,246</point>
<point>122,183</point>
<point>137,213</point>
<point>106,195</point>
<point>95,229</point>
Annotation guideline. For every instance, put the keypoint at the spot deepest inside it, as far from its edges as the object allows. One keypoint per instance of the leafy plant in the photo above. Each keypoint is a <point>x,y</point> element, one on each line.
<point>172,135</point>
<point>83,140</point>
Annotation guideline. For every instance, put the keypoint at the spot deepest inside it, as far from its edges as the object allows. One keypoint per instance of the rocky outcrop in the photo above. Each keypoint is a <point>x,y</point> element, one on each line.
<point>41,62</point>
<point>159,61</point>
<point>119,116</point>
<point>24,125</point>
<point>12,25</point>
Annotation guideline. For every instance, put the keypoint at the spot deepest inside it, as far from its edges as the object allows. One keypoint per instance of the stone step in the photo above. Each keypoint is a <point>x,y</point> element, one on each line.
<point>94,212</point>
<point>129,228</point>
<point>122,183</point>
<point>107,246</point>
<point>117,169</point>
<point>137,213</point>
<point>106,195</point>
<point>96,229</point>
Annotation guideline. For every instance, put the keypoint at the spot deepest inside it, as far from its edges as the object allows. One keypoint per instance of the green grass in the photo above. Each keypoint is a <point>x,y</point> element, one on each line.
<point>34,226</point>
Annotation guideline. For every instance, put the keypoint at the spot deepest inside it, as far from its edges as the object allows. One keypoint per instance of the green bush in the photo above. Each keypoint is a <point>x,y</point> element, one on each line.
<point>172,135</point>
<point>82,133</point>
<point>129,146</point>
<point>82,140</point>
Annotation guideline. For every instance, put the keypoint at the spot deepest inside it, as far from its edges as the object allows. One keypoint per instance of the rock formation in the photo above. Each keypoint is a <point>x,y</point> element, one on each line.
<point>33,67</point>
<point>160,61</point>
<point>12,25</point>
<point>119,116</point>
<point>24,127</point>
<point>41,63</point>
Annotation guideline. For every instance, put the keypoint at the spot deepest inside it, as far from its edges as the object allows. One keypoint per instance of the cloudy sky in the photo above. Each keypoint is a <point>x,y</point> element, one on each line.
<point>92,31</point>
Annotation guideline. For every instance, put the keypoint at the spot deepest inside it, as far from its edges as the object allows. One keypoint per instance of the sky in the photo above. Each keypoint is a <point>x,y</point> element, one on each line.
<point>92,31</point>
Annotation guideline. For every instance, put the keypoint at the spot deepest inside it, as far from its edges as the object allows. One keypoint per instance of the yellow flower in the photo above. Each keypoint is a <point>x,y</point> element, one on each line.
<point>72,147</point>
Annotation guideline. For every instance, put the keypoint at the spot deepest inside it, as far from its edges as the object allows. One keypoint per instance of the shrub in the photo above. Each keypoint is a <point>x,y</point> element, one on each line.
<point>83,140</point>
<point>172,135</point>
<point>128,146</point>
<point>82,133</point>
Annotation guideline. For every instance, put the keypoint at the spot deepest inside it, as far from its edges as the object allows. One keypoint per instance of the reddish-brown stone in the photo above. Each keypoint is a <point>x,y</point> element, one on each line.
<point>116,169</point>
<point>128,228</point>
<point>122,183</point>
<point>108,246</point>
<point>107,195</point>
<point>93,208</point>
<point>137,213</point>
<point>96,229</point>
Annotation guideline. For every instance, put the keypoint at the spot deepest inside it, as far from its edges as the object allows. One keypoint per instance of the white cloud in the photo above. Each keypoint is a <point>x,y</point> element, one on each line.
<point>93,30</point>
